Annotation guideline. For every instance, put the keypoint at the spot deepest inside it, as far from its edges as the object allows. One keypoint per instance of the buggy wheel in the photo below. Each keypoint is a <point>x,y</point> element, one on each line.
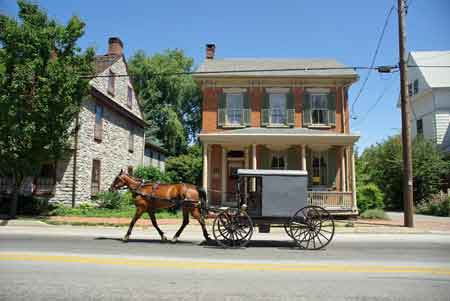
<point>312,228</point>
<point>232,229</point>
<point>287,229</point>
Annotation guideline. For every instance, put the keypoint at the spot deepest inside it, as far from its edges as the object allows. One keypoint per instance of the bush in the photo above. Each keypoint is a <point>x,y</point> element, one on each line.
<point>369,196</point>
<point>374,214</point>
<point>109,200</point>
<point>438,206</point>
<point>27,205</point>
<point>153,174</point>
<point>186,168</point>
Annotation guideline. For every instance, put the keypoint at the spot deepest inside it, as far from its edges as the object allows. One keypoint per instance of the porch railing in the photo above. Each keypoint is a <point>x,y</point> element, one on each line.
<point>331,199</point>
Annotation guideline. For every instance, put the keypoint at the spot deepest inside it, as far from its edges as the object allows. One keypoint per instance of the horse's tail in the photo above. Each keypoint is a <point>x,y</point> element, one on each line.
<point>203,200</point>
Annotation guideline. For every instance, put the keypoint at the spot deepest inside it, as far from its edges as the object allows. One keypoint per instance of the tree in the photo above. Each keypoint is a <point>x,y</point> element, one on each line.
<point>41,90</point>
<point>186,168</point>
<point>381,165</point>
<point>171,103</point>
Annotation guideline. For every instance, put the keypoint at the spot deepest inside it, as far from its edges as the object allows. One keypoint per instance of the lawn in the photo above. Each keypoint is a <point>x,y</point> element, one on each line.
<point>104,212</point>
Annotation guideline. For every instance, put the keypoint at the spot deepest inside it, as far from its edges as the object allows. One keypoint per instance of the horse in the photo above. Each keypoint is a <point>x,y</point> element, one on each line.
<point>150,196</point>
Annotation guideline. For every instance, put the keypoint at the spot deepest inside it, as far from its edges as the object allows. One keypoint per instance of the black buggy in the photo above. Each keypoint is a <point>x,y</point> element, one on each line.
<point>273,198</point>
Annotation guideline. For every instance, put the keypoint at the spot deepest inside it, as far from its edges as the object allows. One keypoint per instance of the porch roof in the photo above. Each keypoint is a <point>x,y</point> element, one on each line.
<point>278,136</point>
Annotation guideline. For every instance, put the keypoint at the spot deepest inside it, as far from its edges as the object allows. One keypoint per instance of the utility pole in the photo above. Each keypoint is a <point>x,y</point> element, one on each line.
<point>406,122</point>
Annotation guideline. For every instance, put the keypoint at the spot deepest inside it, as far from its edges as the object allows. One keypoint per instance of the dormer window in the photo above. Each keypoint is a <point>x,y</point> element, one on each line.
<point>111,83</point>
<point>130,97</point>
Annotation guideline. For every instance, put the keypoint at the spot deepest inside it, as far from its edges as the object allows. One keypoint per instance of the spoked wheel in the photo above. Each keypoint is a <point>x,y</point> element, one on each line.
<point>232,229</point>
<point>287,229</point>
<point>312,228</point>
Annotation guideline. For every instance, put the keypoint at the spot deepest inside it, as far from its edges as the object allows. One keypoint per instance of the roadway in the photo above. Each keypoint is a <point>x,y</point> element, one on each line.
<point>84,263</point>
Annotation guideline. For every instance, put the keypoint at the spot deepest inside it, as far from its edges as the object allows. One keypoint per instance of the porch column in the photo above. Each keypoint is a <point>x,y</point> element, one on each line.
<point>304,157</point>
<point>352,158</point>
<point>254,162</point>
<point>205,166</point>
<point>246,158</point>
<point>223,178</point>
<point>343,171</point>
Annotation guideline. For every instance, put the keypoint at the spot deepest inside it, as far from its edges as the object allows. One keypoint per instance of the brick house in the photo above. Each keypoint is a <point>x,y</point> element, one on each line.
<point>294,119</point>
<point>110,137</point>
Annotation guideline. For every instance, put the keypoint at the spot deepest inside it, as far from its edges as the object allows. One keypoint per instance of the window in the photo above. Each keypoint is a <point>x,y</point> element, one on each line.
<point>130,98</point>
<point>419,126</point>
<point>278,160</point>
<point>98,127</point>
<point>319,108</point>
<point>111,83</point>
<point>319,168</point>
<point>234,104</point>
<point>416,86</point>
<point>95,178</point>
<point>131,140</point>
<point>410,89</point>
<point>277,108</point>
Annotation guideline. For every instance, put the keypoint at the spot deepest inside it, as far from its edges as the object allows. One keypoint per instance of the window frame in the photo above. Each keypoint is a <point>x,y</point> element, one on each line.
<point>324,109</point>
<point>131,139</point>
<point>284,111</point>
<point>278,155</point>
<point>323,156</point>
<point>416,86</point>
<point>130,97</point>
<point>98,123</point>
<point>228,108</point>
<point>419,121</point>
<point>95,185</point>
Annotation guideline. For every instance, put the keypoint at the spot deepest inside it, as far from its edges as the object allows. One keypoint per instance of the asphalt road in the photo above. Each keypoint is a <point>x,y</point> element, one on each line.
<point>85,263</point>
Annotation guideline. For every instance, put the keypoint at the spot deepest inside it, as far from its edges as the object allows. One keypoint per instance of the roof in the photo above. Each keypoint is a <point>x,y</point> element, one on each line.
<point>151,144</point>
<point>279,135</point>
<point>270,172</point>
<point>216,65</point>
<point>435,77</point>
<point>103,62</point>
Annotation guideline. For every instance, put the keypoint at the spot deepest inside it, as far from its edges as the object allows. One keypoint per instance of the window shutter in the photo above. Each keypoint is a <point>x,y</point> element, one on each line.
<point>332,167</point>
<point>265,110</point>
<point>265,158</point>
<point>290,105</point>
<point>306,109</point>
<point>221,114</point>
<point>332,108</point>
<point>246,110</point>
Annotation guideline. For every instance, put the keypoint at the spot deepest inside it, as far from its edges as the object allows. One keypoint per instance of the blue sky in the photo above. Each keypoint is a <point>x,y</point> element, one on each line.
<point>345,30</point>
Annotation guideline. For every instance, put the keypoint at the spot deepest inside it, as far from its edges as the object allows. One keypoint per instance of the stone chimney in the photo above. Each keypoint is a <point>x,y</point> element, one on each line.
<point>210,51</point>
<point>115,46</point>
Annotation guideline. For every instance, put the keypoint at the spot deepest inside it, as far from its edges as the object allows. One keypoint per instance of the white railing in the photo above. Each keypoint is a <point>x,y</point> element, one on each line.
<point>233,117</point>
<point>331,199</point>
<point>277,116</point>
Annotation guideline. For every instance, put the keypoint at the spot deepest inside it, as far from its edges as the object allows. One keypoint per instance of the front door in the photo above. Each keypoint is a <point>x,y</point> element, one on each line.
<point>233,166</point>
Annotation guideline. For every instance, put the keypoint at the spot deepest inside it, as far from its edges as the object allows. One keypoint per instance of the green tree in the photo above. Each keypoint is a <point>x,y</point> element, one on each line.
<point>382,165</point>
<point>41,90</point>
<point>171,103</point>
<point>186,168</point>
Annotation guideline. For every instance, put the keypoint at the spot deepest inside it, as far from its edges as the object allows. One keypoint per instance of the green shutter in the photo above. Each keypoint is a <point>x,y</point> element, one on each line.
<point>293,158</point>
<point>290,105</point>
<point>265,158</point>
<point>265,110</point>
<point>332,108</point>
<point>309,166</point>
<point>306,109</point>
<point>221,114</point>
<point>332,167</point>
<point>246,111</point>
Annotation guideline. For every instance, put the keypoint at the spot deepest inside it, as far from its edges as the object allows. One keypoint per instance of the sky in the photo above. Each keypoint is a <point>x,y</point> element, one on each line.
<point>344,30</point>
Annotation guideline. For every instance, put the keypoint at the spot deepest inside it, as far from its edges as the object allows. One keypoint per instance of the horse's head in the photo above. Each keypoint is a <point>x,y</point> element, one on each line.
<point>119,181</point>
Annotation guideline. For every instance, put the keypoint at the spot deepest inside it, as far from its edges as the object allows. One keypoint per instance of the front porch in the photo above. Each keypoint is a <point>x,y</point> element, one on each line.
<point>328,159</point>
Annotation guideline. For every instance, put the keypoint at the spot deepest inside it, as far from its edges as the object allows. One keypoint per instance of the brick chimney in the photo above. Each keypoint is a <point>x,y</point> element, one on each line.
<point>115,46</point>
<point>210,51</point>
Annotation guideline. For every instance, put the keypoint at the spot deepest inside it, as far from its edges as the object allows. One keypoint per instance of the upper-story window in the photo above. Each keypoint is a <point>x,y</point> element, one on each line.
<point>233,108</point>
<point>419,127</point>
<point>278,107</point>
<point>416,86</point>
<point>130,97</point>
<point>319,108</point>
<point>111,83</point>
<point>410,89</point>
<point>98,127</point>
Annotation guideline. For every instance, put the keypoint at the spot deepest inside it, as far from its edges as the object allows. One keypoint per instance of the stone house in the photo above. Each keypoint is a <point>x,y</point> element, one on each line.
<point>110,136</point>
<point>295,119</point>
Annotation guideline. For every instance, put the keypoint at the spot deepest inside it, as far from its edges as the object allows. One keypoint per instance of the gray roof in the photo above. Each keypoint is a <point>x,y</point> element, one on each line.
<point>102,62</point>
<point>212,67</point>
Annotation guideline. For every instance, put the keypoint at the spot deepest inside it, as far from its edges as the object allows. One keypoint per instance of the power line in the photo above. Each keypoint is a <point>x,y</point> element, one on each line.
<point>386,22</point>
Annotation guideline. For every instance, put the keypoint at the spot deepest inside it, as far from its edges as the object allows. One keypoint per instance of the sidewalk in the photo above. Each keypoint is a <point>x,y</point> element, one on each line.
<point>395,225</point>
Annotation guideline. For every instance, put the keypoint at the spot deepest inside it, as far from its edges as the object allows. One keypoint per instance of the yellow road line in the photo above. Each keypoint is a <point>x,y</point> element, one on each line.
<point>184,264</point>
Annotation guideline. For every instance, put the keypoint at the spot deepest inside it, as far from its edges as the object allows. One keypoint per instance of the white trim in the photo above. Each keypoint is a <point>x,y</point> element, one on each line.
<point>318,90</point>
<point>277,90</point>
<point>234,90</point>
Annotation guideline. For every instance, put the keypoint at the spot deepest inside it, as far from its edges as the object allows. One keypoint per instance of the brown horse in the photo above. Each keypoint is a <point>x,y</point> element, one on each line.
<point>151,196</point>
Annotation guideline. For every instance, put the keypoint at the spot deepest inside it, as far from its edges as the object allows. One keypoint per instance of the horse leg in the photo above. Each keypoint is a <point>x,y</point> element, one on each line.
<point>136,216</point>
<point>151,213</point>
<point>195,212</point>
<point>183,225</point>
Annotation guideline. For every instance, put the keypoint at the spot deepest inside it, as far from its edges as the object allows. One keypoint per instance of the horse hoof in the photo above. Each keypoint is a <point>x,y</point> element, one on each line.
<point>163,238</point>
<point>174,240</point>
<point>125,239</point>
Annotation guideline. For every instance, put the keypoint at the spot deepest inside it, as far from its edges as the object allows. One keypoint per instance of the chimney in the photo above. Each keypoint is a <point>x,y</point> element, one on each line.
<point>115,46</point>
<point>210,51</point>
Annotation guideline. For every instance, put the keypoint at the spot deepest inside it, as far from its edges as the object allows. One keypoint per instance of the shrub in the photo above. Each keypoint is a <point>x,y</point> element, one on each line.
<point>186,168</point>
<point>374,214</point>
<point>153,174</point>
<point>369,196</point>
<point>439,205</point>
<point>27,205</point>
<point>109,200</point>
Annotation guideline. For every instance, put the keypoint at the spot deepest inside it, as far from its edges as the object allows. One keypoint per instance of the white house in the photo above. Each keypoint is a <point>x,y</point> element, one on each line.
<point>429,88</point>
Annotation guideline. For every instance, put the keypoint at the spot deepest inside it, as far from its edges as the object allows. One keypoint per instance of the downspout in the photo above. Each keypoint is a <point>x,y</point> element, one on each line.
<point>75,159</point>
